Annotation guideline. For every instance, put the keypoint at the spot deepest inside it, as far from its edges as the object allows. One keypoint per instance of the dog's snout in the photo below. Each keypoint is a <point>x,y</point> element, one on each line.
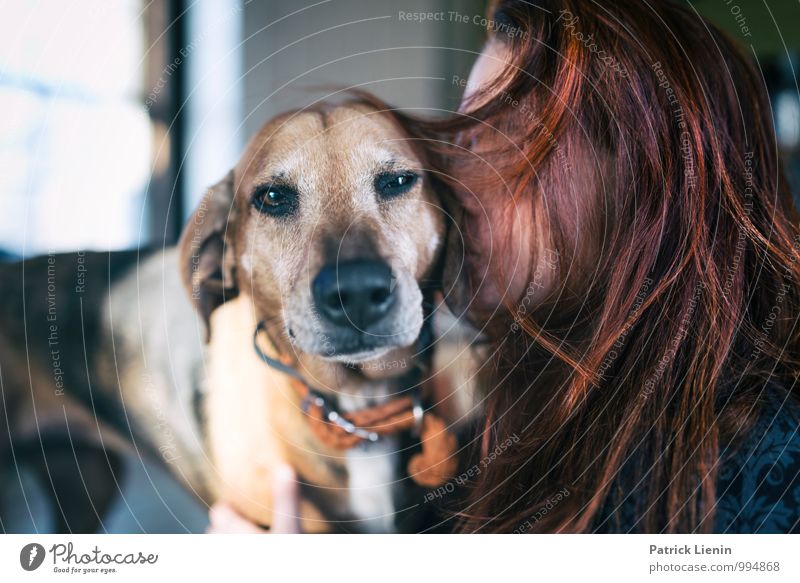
<point>354,293</point>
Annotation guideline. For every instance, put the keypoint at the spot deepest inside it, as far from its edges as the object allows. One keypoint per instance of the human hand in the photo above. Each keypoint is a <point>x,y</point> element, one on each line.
<point>225,520</point>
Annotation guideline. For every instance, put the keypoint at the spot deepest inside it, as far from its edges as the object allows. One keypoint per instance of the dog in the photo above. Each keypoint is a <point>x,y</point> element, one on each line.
<point>309,271</point>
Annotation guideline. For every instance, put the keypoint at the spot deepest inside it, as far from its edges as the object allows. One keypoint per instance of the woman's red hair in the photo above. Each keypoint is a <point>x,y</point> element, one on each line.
<point>676,299</point>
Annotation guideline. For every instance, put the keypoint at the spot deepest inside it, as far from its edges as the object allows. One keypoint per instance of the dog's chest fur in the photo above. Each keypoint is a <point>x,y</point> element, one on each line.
<point>373,471</point>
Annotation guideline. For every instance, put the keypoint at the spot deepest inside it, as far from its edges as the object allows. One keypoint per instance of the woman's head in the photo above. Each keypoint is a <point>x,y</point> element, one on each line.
<point>631,249</point>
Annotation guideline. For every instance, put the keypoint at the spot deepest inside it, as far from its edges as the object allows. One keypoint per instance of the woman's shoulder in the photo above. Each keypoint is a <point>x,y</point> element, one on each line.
<point>758,485</point>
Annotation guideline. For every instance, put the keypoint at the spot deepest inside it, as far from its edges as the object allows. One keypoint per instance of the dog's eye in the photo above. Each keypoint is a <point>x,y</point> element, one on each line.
<point>275,200</point>
<point>392,184</point>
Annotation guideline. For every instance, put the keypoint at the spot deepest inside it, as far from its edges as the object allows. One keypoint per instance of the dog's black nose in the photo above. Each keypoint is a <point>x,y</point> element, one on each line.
<point>354,293</point>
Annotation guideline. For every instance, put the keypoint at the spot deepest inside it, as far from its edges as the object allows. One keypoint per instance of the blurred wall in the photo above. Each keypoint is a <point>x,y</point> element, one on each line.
<point>394,49</point>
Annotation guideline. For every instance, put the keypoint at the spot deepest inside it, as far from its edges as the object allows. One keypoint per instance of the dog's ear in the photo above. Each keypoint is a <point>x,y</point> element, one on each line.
<point>207,255</point>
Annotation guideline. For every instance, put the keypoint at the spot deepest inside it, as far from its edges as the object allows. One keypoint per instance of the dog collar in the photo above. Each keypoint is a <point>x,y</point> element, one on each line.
<point>434,465</point>
<point>399,414</point>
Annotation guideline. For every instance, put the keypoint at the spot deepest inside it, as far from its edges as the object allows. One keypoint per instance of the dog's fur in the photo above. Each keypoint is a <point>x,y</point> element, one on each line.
<point>146,355</point>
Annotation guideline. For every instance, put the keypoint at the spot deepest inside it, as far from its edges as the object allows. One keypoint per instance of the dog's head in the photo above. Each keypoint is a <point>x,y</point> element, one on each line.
<point>329,223</point>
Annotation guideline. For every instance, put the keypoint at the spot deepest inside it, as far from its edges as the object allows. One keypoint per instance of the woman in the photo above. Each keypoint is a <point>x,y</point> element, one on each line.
<point>631,253</point>
<point>623,184</point>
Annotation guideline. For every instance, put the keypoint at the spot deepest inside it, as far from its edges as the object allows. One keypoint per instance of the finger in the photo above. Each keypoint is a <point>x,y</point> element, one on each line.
<point>224,520</point>
<point>286,513</point>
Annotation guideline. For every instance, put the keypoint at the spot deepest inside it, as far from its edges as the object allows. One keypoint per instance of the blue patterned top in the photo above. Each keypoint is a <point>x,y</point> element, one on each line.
<point>758,482</point>
<point>758,486</point>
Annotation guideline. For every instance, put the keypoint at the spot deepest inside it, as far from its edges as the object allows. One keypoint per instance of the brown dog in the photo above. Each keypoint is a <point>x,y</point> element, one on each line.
<point>324,231</point>
<point>325,234</point>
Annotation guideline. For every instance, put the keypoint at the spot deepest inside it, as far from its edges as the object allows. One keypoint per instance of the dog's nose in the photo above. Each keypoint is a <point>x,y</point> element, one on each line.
<point>354,293</point>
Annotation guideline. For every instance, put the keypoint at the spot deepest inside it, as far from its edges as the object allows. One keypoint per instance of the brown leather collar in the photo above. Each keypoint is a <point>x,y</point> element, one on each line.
<point>345,430</point>
<point>432,467</point>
